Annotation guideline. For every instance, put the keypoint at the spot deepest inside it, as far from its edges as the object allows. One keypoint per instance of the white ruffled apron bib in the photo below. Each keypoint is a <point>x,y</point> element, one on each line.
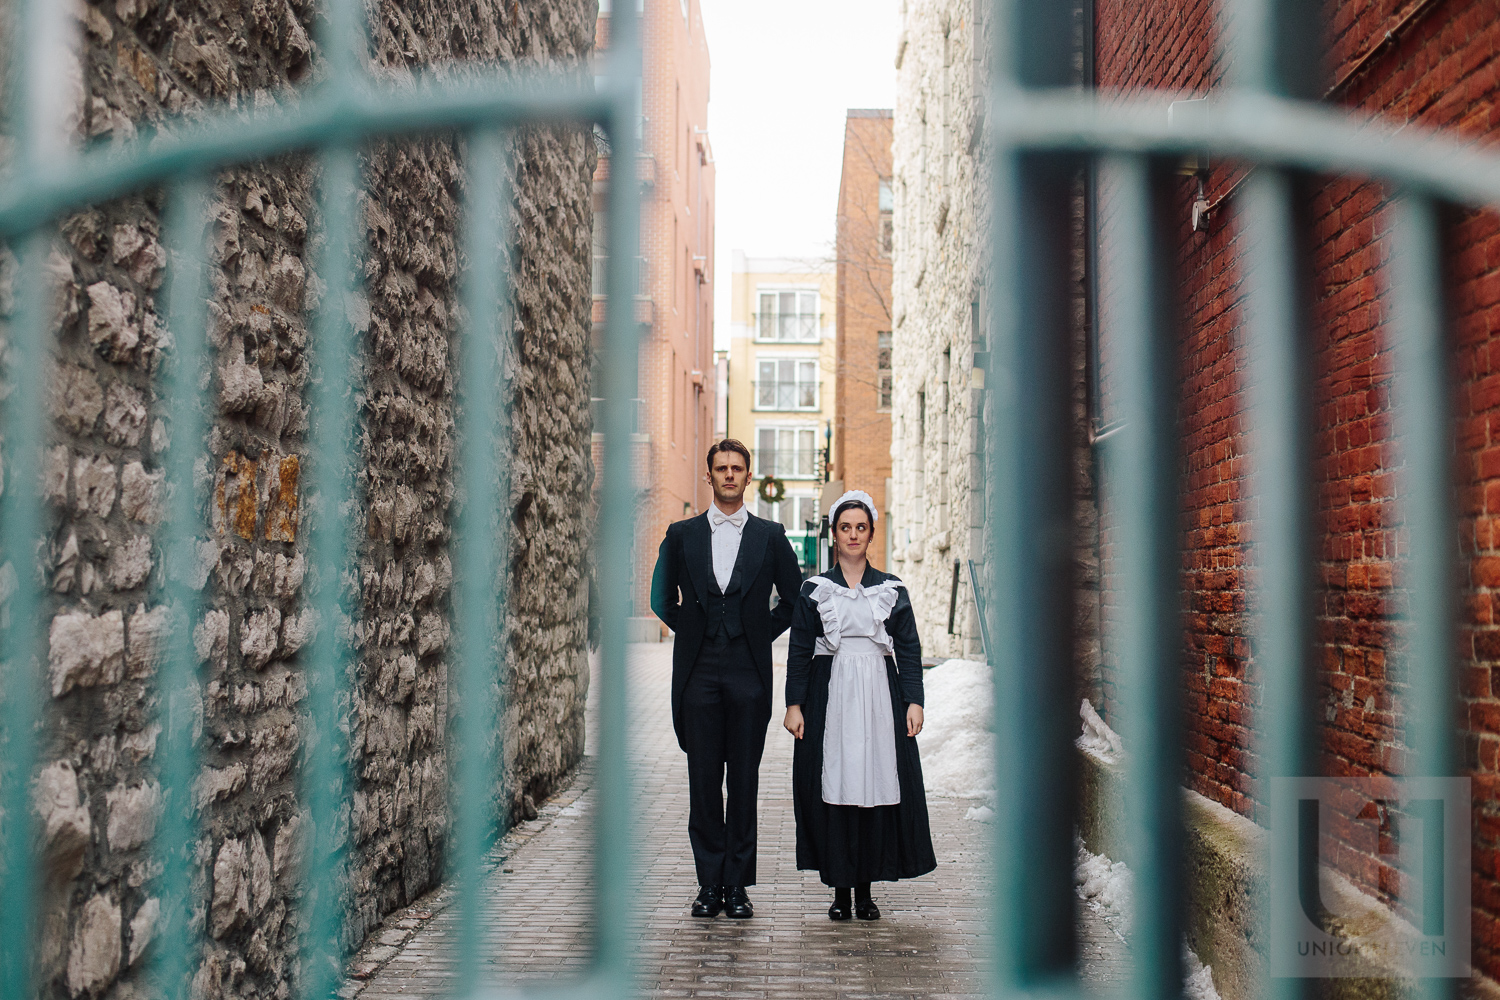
<point>859,737</point>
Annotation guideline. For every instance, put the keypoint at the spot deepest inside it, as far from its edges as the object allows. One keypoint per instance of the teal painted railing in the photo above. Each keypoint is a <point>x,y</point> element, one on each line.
<point>1040,130</point>
<point>45,180</point>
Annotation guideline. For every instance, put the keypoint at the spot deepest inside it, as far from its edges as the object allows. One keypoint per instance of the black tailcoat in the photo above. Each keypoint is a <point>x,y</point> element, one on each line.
<point>679,594</point>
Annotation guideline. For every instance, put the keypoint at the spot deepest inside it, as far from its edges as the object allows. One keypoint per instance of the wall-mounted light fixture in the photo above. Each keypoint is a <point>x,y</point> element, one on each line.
<point>1181,114</point>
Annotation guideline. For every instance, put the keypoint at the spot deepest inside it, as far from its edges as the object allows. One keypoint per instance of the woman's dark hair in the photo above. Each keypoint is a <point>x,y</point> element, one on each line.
<point>852,505</point>
<point>728,444</point>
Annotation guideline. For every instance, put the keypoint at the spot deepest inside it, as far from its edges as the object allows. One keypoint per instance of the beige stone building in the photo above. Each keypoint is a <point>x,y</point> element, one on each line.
<point>936,497</point>
<point>782,371</point>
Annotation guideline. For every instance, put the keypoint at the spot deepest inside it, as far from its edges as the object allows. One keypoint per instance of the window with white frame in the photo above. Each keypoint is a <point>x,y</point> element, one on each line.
<point>786,384</point>
<point>791,315</point>
<point>787,452</point>
<point>794,511</point>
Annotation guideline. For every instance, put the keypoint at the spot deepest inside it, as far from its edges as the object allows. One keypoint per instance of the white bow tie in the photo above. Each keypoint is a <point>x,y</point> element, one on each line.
<point>738,518</point>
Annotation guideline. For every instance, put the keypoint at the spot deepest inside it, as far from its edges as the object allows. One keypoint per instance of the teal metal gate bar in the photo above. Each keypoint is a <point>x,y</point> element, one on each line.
<point>1042,130</point>
<point>42,183</point>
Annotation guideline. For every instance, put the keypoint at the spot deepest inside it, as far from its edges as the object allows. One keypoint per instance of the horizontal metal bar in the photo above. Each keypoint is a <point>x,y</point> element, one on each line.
<point>343,117</point>
<point>1255,128</point>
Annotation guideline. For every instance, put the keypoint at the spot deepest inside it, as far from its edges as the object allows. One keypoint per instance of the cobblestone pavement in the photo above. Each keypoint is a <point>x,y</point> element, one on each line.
<point>931,941</point>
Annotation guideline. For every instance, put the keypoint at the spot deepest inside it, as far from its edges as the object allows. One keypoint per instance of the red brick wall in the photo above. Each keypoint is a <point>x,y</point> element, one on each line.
<point>677,221</point>
<point>1443,72</point>
<point>862,431</point>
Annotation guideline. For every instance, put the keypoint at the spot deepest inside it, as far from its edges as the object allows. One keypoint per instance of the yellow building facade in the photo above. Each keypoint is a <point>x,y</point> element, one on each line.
<point>782,367</point>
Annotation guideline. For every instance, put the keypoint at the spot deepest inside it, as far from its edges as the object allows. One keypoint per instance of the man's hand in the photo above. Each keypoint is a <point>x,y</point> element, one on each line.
<point>793,721</point>
<point>913,719</point>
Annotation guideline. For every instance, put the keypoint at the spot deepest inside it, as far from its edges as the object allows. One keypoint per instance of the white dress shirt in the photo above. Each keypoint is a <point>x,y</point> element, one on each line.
<point>727,529</point>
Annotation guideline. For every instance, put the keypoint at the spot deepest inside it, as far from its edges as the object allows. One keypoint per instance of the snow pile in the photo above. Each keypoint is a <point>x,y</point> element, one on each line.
<point>958,741</point>
<point>1197,978</point>
<point>1097,738</point>
<point>1107,888</point>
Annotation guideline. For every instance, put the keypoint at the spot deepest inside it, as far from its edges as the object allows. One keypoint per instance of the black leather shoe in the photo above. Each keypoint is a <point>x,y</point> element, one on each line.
<point>737,904</point>
<point>709,902</point>
<point>839,910</point>
<point>865,909</point>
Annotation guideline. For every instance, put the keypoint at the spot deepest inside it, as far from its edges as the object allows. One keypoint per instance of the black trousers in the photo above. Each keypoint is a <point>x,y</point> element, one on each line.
<point>725,710</point>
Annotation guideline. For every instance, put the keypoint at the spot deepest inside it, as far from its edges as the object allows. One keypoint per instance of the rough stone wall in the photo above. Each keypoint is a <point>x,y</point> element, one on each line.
<point>937,501</point>
<point>97,795</point>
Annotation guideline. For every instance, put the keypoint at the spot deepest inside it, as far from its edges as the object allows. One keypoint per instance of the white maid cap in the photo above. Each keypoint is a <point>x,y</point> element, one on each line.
<point>862,497</point>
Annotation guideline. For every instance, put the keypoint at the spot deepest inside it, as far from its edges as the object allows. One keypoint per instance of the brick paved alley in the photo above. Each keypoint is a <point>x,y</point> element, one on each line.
<point>930,942</point>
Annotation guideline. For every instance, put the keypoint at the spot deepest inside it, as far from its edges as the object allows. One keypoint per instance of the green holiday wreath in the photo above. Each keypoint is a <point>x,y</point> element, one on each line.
<point>772,490</point>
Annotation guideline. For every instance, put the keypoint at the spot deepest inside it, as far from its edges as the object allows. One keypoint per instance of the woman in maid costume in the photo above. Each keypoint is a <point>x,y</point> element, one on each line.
<point>854,704</point>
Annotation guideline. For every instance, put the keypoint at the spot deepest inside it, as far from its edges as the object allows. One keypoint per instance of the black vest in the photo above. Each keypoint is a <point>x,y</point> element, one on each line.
<point>724,609</point>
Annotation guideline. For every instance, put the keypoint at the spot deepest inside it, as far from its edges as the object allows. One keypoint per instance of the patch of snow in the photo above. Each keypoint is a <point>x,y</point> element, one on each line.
<point>1097,738</point>
<point>1197,978</point>
<point>958,738</point>
<point>1107,888</point>
<point>980,814</point>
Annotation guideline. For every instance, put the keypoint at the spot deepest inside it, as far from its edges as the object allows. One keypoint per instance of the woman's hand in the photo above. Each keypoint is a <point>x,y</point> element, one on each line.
<point>913,719</point>
<point>793,721</point>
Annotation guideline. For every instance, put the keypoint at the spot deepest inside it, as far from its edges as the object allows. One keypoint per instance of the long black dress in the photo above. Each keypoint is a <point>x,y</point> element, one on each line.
<point>848,845</point>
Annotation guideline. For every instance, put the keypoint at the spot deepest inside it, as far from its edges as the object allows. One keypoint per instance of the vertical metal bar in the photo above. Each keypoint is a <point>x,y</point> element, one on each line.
<point>1031,526</point>
<point>40,29</point>
<point>480,538</point>
<point>1030,518</point>
<point>343,41</point>
<point>613,832</point>
<point>22,649</point>
<point>325,765</point>
<point>176,836</point>
<point>1278,46</point>
<point>1281,409</point>
<point>1424,426</point>
<point>1146,492</point>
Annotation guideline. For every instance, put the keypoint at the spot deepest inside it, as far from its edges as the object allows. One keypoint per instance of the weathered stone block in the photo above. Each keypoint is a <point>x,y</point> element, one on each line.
<point>86,651</point>
<point>94,957</point>
<point>133,812</point>
<point>124,415</point>
<point>211,637</point>
<point>130,563</point>
<point>143,927</point>
<point>94,485</point>
<point>258,637</point>
<point>231,898</point>
<point>140,493</point>
<point>65,824</point>
<point>112,325</point>
<point>76,400</point>
<point>145,633</point>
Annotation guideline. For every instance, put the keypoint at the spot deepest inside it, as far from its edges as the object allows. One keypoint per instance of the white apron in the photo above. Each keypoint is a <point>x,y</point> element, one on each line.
<point>859,737</point>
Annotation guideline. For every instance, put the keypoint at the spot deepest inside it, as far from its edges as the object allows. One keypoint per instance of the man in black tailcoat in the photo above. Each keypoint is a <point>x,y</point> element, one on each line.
<point>712,586</point>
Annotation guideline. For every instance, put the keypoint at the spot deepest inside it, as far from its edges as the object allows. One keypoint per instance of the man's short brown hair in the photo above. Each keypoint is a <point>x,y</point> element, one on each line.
<point>728,444</point>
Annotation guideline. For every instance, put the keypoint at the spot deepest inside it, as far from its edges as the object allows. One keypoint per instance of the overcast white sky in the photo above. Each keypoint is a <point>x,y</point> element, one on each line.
<point>784,73</point>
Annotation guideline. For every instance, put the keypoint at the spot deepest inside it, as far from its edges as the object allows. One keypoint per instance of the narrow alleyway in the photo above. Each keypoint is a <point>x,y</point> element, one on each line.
<point>930,943</point>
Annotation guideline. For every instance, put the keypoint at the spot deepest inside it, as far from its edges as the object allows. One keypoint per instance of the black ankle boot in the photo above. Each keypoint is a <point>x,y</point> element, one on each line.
<point>864,906</point>
<point>840,908</point>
